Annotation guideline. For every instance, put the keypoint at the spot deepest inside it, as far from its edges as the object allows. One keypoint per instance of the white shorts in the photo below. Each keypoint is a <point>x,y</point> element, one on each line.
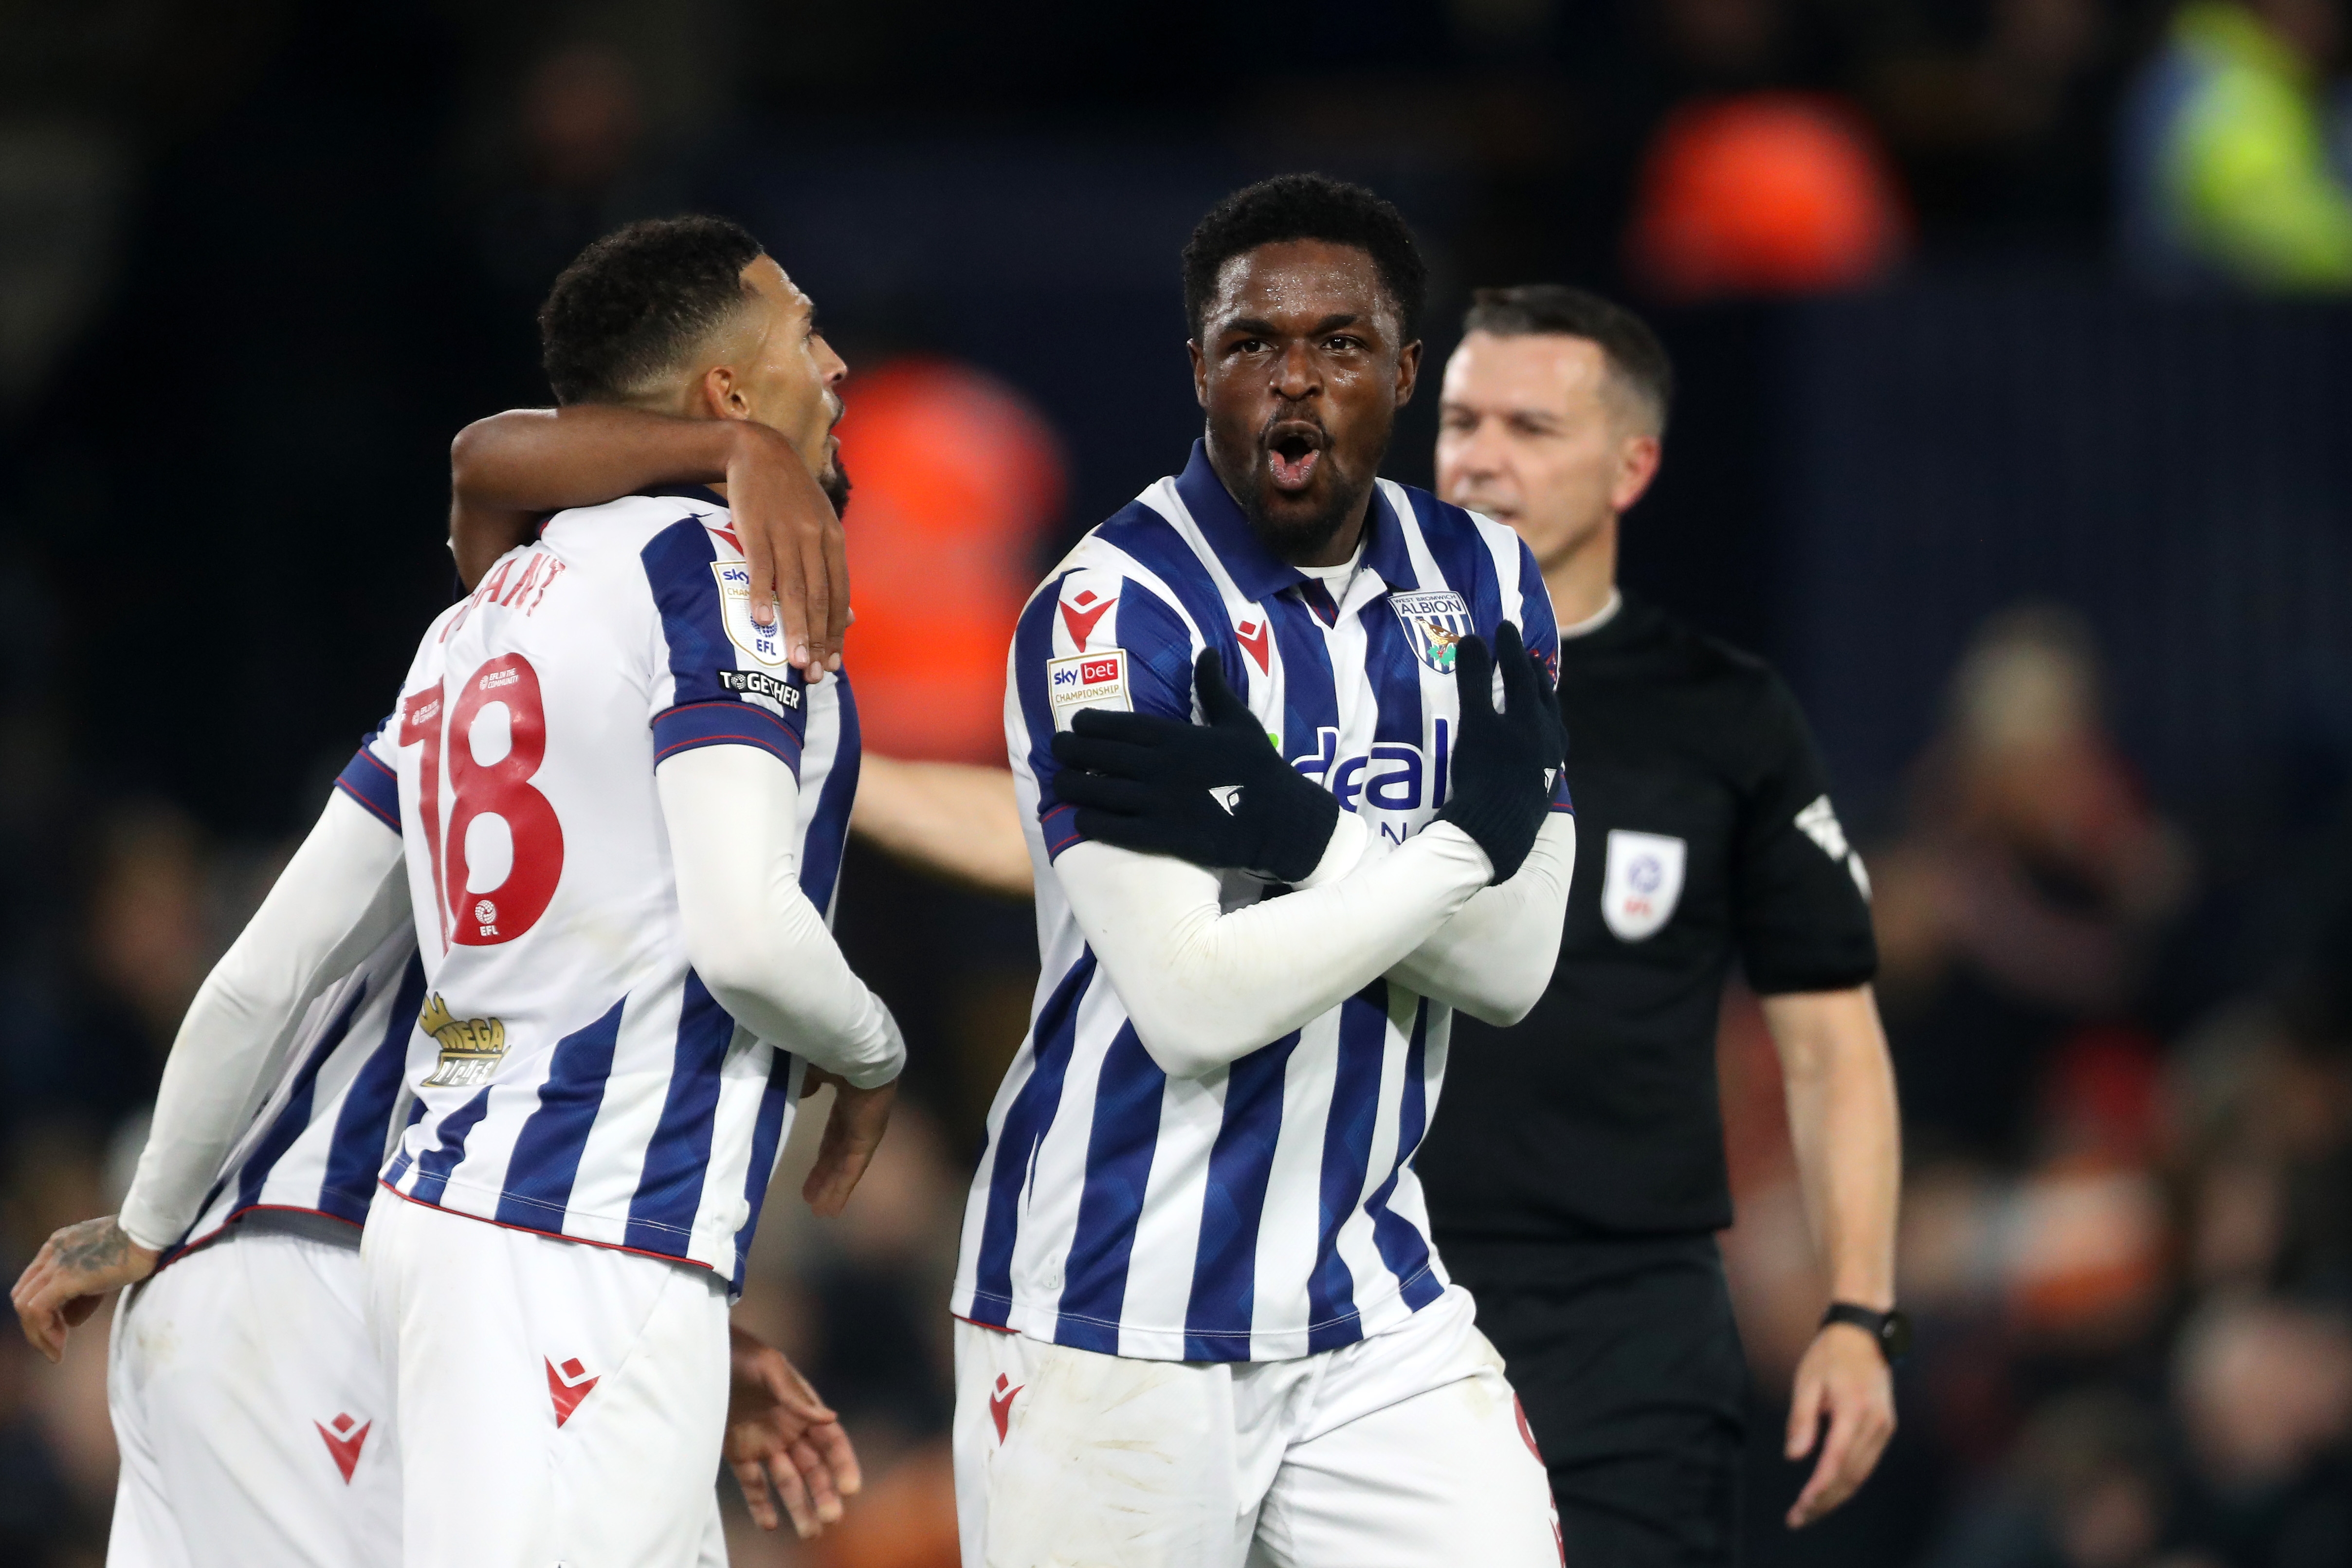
<point>1404,1450</point>
<point>559,1403</point>
<point>253,1415</point>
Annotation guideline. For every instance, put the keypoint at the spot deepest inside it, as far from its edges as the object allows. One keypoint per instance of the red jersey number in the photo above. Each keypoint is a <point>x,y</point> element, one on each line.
<point>476,789</point>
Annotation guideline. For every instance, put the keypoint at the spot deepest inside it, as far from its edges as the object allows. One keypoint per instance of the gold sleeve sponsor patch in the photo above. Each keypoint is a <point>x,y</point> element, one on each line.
<point>470,1048</point>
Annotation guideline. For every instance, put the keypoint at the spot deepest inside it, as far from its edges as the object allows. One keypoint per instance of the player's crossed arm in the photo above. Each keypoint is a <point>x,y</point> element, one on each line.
<point>1204,986</point>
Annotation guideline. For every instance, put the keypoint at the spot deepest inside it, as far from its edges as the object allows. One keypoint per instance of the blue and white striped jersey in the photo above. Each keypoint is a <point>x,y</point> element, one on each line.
<point>1267,1210</point>
<point>319,1139</point>
<point>584,1083</point>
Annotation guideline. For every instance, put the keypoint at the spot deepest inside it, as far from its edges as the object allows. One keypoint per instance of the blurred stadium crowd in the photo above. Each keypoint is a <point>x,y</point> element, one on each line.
<point>2014,434</point>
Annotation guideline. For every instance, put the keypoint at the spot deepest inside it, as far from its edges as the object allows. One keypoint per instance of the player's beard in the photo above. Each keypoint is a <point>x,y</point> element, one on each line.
<point>1303,536</point>
<point>836,486</point>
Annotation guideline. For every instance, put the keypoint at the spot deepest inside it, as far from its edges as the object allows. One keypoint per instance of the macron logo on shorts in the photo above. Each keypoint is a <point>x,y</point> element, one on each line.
<point>343,1441</point>
<point>999,1404</point>
<point>567,1386</point>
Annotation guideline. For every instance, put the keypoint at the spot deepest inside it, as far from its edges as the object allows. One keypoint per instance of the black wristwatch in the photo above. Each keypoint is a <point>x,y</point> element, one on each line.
<point>1891,1328</point>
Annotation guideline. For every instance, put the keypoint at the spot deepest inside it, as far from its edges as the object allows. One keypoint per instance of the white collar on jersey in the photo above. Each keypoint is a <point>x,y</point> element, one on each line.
<point>1335,579</point>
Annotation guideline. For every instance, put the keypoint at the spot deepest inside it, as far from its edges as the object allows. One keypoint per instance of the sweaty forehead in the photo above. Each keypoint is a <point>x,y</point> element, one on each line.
<point>1303,279</point>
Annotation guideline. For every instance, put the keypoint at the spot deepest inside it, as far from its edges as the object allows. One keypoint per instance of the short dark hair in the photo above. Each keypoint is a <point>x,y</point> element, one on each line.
<point>1632,350</point>
<point>1307,207</point>
<point>635,303</point>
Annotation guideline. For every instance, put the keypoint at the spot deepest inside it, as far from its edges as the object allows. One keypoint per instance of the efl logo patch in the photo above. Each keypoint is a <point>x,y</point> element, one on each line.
<point>1643,880</point>
<point>752,683</point>
<point>1434,623</point>
<point>765,644</point>
<point>1087,681</point>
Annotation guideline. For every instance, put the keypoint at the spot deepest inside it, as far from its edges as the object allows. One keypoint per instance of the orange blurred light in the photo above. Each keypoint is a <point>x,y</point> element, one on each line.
<point>1772,192</point>
<point>957,478</point>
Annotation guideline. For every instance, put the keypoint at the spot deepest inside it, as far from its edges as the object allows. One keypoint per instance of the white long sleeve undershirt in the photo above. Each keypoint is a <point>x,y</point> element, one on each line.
<point>1206,987</point>
<point>343,892</point>
<point>1495,959</point>
<point>751,934</point>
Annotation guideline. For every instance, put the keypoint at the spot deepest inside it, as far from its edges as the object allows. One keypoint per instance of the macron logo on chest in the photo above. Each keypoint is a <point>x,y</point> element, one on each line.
<point>1080,614</point>
<point>1256,638</point>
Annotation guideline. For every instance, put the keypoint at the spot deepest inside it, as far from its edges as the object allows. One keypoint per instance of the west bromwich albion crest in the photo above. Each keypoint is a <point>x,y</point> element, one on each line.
<point>1434,622</point>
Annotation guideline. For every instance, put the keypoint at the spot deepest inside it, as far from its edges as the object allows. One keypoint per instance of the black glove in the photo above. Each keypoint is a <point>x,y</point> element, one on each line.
<point>1217,793</point>
<point>1504,763</point>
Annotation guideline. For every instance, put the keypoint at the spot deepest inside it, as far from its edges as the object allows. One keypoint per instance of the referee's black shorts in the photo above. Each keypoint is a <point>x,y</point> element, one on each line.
<point>1625,1353</point>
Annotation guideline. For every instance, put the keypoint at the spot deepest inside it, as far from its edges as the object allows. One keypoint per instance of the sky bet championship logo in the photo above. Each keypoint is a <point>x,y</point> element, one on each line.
<point>1087,681</point>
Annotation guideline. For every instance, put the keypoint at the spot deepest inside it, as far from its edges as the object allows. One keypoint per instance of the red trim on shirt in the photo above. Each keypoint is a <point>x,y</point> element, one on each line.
<point>551,1235</point>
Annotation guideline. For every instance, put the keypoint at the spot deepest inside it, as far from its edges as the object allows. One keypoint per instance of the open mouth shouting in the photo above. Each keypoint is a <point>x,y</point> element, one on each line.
<point>1294,451</point>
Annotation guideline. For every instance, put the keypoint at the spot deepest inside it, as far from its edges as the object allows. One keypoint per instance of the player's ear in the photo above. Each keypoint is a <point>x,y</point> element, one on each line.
<point>1199,372</point>
<point>1408,374</point>
<point>721,395</point>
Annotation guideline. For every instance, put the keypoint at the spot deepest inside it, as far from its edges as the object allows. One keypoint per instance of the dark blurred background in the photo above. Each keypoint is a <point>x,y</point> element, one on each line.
<point>2018,430</point>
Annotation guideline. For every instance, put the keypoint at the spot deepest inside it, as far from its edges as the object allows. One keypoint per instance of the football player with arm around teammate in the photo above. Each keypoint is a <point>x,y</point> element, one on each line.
<point>1576,1177</point>
<point>510,470</point>
<point>634,980</point>
<point>251,1408</point>
<point>1202,1321</point>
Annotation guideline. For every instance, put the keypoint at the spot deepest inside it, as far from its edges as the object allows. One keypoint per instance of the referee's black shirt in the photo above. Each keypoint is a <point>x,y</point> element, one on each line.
<point>1702,831</point>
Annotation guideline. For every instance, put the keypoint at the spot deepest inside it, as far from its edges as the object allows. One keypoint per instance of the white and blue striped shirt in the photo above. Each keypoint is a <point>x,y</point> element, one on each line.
<point>587,1084</point>
<point>1269,1209</point>
<point>319,1139</point>
<point>322,1135</point>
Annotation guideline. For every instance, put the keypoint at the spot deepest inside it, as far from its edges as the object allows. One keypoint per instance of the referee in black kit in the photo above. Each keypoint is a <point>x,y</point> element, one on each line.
<point>1575,1170</point>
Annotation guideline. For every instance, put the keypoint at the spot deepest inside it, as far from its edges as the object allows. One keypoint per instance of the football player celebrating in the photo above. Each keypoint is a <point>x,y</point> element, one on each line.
<point>1202,1318</point>
<point>637,971</point>
<point>313,1019</point>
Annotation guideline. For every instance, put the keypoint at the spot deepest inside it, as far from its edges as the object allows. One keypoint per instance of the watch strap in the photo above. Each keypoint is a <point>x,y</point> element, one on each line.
<point>1889,1330</point>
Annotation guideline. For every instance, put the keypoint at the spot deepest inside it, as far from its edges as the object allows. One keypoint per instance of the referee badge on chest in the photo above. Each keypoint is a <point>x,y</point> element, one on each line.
<point>1643,880</point>
<point>1434,623</point>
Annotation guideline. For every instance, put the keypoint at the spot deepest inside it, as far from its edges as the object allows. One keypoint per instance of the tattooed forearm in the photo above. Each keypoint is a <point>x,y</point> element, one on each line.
<point>91,1246</point>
